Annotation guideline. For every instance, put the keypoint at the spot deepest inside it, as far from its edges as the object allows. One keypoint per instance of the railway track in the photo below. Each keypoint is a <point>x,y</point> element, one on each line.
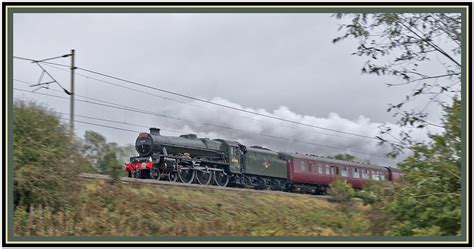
<point>194,186</point>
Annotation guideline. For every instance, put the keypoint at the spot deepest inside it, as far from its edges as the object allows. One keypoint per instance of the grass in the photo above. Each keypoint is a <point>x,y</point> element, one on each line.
<point>132,209</point>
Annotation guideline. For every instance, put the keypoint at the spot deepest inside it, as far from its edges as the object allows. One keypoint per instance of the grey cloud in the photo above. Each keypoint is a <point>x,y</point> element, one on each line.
<point>217,122</point>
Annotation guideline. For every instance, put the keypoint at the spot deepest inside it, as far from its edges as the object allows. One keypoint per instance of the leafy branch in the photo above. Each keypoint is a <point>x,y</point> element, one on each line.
<point>410,42</point>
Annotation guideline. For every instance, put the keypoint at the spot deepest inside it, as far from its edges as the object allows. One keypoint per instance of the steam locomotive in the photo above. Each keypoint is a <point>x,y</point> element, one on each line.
<point>189,159</point>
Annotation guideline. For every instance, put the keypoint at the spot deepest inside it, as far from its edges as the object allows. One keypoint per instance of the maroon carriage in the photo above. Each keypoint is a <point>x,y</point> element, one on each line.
<point>313,174</point>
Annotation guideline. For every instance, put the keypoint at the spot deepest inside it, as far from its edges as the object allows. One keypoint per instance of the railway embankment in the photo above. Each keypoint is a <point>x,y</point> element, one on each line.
<point>131,208</point>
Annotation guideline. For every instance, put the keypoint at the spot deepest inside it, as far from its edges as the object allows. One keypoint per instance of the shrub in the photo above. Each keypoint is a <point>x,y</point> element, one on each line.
<point>45,159</point>
<point>340,191</point>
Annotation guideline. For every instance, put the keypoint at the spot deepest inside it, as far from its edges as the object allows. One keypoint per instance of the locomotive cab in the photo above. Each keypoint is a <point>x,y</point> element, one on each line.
<point>234,152</point>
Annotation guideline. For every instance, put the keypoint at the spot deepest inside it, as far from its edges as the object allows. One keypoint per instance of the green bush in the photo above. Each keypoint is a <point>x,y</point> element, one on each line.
<point>103,156</point>
<point>45,159</point>
<point>112,166</point>
<point>341,191</point>
<point>375,196</point>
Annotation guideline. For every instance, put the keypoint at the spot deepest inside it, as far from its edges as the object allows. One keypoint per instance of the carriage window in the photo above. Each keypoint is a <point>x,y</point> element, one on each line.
<point>375,175</point>
<point>382,176</point>
<point>310,167</point>
<point>355,173</point>
<point>365,174</point>
<point>320,169</point>
<point>344,171</point>
<point>332,170</point>
<point>302,166</point>
<point>327,170</point>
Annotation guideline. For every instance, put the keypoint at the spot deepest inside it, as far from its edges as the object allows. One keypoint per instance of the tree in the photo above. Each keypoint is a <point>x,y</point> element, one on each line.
<point>126,152</point>
<point>403,45</point>
<point>429,200</point>
<point>111,165</point>
<point>106,157</point>
<point>45,159</point>
<point>94,148</point>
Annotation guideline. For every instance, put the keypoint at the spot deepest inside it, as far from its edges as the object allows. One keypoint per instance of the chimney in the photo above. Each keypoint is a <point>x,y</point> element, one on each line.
<point>155,131</point>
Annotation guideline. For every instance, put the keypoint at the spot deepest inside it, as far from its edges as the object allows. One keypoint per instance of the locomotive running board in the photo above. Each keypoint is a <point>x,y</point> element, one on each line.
<point>200,168</point>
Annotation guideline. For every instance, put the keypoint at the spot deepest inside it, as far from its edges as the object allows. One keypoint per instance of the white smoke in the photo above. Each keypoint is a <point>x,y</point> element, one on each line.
<point>217,122</point>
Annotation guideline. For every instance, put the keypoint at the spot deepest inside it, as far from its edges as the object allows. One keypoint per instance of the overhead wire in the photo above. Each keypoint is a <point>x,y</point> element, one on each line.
<point>52,58</point>
<point>77,95</point>
<point>225,106</point>
<point>101,125</point>
<point>178,101</point>
<point>35,61</point>
<point>210,102</point>
<point>112,105</point>
<point>108,120</point>
<point>89,117</point>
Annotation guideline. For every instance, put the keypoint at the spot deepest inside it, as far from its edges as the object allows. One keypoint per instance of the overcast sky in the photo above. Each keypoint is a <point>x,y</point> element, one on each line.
<point>276,64</point>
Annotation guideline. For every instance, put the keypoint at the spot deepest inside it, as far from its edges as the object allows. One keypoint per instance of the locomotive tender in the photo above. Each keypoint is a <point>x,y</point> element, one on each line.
<point>223,162</point>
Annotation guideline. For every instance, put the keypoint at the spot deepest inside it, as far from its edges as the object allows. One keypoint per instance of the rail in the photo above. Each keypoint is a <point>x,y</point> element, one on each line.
<point>194,186</point>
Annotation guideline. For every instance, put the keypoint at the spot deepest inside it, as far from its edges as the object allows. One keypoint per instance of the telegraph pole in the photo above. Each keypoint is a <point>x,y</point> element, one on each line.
<point>71,112</point>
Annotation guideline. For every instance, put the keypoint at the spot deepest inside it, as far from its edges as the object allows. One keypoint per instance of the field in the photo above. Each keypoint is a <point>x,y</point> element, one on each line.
<point>133,209</point>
